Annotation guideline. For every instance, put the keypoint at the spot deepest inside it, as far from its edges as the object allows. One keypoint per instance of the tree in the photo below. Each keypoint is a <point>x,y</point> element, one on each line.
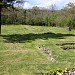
<point>70,15</point>
<point>8,3</point>
<point>3,3</point>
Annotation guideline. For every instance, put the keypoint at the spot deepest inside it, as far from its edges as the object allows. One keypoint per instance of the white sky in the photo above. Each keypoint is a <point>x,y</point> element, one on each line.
<point>46,3</point>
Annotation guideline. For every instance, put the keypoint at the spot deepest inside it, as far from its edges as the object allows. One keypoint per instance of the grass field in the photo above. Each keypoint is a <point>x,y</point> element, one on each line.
<point>20,53</point>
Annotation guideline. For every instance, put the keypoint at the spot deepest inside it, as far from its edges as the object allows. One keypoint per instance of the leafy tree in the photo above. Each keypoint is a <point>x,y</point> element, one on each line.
<point>41,16</point>
<point>70,15</point>
<point>3,3</point>
<point>8,3</point>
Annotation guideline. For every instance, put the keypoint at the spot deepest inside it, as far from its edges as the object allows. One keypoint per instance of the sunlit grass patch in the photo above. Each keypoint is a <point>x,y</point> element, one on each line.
<point>19,52</point>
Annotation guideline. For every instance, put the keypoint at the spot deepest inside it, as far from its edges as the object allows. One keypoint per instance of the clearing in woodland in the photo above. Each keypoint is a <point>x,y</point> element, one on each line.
<point>27,50</point>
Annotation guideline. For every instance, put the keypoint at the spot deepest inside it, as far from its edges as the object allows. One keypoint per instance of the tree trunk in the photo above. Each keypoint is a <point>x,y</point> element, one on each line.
<point>0,15</point>
<point>0,19</point>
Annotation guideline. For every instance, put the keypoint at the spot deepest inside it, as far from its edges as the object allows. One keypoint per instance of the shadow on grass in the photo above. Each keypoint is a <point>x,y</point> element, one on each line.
<point>21,38</point>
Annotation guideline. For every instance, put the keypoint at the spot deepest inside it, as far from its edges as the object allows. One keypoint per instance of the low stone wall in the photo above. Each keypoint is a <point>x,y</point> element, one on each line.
<point>47,52</point>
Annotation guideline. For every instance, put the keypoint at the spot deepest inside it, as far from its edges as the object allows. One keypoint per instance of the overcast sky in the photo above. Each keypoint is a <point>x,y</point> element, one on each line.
<point>46,3</point>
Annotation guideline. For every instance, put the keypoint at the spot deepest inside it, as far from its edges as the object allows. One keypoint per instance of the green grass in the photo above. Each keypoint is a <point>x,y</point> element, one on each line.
<point>20,55</point>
